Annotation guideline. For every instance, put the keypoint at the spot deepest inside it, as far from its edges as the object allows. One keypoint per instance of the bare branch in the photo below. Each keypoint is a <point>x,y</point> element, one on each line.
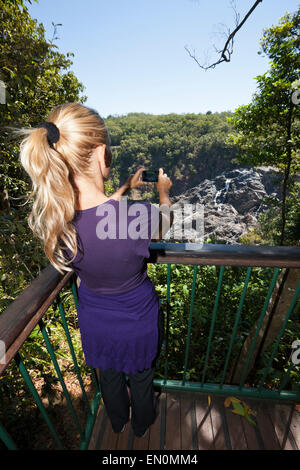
<point>236,14</point>
<point>54,37</point>
<point>227,51</point>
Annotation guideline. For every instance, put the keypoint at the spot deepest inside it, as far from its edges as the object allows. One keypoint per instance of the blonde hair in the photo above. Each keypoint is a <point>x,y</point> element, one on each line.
<point>52,167</point>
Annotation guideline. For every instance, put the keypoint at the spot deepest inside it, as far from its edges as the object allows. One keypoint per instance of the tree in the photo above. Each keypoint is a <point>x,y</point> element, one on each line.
<point>37,78</point>
<point>267,132</point>
<point>267,129</point>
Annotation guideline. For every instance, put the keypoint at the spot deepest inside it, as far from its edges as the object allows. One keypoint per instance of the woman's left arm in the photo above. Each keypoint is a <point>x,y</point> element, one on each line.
<point>133,182</point>
<point>121,191</point>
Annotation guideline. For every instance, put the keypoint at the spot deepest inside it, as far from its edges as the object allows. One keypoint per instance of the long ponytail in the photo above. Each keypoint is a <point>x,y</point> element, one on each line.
<point>52,169</point>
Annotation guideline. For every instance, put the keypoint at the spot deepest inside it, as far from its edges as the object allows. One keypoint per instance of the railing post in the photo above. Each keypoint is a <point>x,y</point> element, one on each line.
<point>59,375</point>
<point>237,318</point>
<point>74,291</point>
<point>168,322</point>
<point>37,399</point>
<point>190,323</point>
<point>5,437</point>
<point>213,322</point>
<point>68,336</point>
<point>95,380</point>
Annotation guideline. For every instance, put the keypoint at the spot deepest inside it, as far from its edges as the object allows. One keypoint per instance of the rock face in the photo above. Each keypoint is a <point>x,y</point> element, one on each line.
<point>225,207</point>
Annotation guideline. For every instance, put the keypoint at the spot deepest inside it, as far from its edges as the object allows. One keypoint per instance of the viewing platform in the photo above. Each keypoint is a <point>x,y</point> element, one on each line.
<point>200,369</point>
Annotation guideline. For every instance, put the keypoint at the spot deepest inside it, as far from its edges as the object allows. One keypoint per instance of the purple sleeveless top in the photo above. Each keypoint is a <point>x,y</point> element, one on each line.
<point>117,302</point>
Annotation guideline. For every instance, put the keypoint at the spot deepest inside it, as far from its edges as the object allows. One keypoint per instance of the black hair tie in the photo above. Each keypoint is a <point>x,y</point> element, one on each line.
<point>53,133</point>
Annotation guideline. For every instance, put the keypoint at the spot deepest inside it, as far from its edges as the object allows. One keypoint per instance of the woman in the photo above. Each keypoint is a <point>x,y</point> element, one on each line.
<point>106,242</point>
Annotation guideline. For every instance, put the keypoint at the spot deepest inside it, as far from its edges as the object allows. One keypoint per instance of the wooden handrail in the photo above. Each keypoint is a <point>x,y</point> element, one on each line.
<point>23,314</point>
<point>225,255</point>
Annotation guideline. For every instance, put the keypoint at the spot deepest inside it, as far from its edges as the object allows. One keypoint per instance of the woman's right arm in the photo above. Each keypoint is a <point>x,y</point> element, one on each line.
<point>163,186</point>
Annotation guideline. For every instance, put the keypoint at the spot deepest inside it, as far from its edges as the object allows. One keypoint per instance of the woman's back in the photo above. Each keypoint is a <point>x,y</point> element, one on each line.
<point>113,241</point>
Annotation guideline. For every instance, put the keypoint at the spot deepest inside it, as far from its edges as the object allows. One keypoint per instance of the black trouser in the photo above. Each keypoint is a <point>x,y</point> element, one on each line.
<point>116,399</point>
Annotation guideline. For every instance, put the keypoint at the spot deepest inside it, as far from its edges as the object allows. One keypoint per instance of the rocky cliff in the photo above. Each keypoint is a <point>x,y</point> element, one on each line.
<point>226,206</point>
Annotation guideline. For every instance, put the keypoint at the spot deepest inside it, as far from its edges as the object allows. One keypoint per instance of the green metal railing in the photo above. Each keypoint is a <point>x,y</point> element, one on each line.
<point>14,342</point>
<point>225,256</point>
<point>29,311</point>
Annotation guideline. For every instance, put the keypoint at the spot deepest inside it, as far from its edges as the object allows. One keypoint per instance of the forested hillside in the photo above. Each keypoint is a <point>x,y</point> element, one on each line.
<point>189,147</point>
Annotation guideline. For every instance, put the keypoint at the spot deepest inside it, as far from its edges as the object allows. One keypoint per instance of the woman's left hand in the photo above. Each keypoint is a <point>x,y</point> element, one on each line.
<point>135,180</point>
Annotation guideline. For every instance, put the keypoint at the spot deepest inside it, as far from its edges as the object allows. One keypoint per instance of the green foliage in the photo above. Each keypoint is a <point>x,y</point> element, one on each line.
<point>262,124</point>
<point>267,129</point>
<point>268,231</point>
<point>190,147</point>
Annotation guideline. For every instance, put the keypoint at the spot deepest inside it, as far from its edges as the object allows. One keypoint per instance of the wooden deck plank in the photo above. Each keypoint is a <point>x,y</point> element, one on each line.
<point>194,426</point>
<point>154,430</point>
<point>253,438</point>
<point>220,400</point>
<point>163,407</point>
<point>130,438</point>
<point>281,426</point>
<point>203,422</point>
<point>173,435</point>
<point>98,428</point>
<point>266,428</point>
<point>252,433</point>
<point>113,437</point>
<point>109,439</point>
<point>217,425</point>
<point>103,435</point>
<point>295,426</point>
<point>236,430</point>
<point>141,443</point>
<point>123,438</point>
<point>186,428</point>
<point>291,419</point>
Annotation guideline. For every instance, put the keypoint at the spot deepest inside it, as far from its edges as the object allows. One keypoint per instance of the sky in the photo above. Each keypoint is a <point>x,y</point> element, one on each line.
<point>130,54</point>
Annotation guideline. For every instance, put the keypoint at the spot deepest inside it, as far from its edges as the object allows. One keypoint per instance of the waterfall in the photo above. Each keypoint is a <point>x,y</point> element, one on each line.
<point>221,194</point>
<point>227,184</point>
<point>257,211</point>
<point>218,193</point>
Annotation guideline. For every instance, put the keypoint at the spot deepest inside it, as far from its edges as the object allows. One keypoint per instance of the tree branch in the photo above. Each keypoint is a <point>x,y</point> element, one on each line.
<point>226,52</point>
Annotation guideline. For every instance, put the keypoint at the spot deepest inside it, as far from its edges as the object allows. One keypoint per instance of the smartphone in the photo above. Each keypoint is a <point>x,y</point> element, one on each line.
<point>150,176</point>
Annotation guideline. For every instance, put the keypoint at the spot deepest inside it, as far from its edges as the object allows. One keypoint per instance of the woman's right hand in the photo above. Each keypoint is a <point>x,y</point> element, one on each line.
<point>164,183</point>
